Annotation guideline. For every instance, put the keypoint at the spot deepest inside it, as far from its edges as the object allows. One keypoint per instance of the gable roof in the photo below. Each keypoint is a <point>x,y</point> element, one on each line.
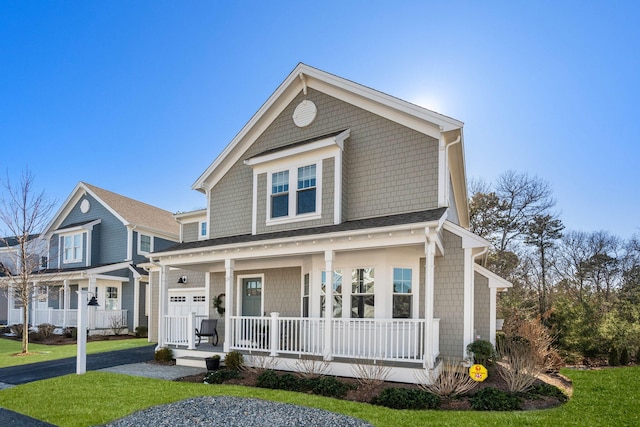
<point>303,77</point>
<point>129,211</point>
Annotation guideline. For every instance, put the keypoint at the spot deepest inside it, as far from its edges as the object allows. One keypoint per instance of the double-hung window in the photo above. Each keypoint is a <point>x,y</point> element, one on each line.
<point>335,289</point>
<point>306,195</point>
<point>146,245</point>
<point>72,248</point>
<point>280,194</point>
<point>362,292</point>
<point>402,293</point>
<point>302,201</point>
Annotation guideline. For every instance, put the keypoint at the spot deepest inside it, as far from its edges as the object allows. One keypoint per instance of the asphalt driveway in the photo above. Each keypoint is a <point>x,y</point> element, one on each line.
<point>22,374</point>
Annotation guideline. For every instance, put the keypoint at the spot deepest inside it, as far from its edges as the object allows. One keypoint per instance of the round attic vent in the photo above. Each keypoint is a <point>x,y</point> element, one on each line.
<point>84,206</point>
<point>304,114</point>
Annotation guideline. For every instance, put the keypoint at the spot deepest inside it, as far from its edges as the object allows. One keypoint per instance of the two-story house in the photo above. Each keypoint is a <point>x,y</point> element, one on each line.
<point>336,226</point>
<point>96,241</point>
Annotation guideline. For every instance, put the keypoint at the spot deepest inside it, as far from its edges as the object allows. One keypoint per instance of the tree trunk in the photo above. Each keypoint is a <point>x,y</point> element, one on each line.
<point>25,328</point>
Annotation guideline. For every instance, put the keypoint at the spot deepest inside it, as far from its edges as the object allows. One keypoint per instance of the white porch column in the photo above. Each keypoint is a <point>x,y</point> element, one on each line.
<point>229,265</point>
<point>207,292</point>
<point>65,303</point>
<point>34,304</point>
<point>329,257</point>
<point>493,303</point>
<point>163,301</point>
<point>429,283</point>
<point>136,303</point>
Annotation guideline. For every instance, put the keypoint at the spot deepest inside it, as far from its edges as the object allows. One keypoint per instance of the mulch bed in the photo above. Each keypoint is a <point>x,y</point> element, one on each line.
<point>365,394</point>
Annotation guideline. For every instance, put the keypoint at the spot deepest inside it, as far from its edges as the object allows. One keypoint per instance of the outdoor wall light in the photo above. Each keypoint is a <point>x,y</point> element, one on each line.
<point>93,302</point>
<point>182,279</point>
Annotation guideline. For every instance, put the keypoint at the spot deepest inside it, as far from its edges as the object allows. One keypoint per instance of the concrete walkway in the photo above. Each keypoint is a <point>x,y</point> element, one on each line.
<point>150,370</point>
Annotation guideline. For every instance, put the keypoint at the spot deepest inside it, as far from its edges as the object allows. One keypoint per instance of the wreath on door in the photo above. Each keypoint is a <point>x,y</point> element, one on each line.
<point>218,304</point>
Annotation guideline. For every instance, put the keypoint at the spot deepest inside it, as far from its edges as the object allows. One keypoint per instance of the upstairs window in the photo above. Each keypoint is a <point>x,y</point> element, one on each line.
<point>203,230</point>
<point>145,245</point>
<point>72,248</point>
<point>306,196</point>
<point>280,194</point>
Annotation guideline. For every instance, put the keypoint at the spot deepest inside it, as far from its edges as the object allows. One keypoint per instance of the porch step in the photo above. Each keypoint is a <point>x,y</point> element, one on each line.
<point>196,362</point>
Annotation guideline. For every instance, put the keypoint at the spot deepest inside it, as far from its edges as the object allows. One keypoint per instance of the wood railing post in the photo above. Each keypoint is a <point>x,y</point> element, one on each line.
<point>191,331</point>
<point>273,343</point>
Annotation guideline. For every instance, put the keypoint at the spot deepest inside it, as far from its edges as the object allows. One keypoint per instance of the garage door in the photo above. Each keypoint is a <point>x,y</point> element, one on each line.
<point>185,301</point>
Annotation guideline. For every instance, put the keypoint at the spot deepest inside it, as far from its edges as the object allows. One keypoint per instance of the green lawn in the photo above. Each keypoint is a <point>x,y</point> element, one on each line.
<point>608,397</point>
<point>9,348</point>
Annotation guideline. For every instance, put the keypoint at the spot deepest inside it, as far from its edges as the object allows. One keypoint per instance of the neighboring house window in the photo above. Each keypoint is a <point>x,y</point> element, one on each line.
<point>402,293</point>
<point>111,298</point>
<point>145,244</point>
<point>305,296</point>
<point>72,248</point>
<point>337,293</point>
<point>203,230</point>
<point>362,292</point>
<point>306,197</point>
<point>280,194</point>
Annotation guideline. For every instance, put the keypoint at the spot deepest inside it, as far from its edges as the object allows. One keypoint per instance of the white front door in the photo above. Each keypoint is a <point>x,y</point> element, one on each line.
<point>185,301</point>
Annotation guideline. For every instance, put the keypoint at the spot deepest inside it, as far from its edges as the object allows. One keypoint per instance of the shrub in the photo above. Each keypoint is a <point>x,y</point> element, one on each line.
<point>452,380</point>
<point>545,389</point>
<point>35,336</point>
<point>142,331</point>
<point>482,351</point>
<point>624,357</point>
<point>330,387</point>
<point>220,376</point>
<point>405,398</point>
<point>518,364</point>
<point>46,329</point>
<point>614,358</point>
<point>492,399</point>
<point>71,332</point>
<point>268,379</point>
<point>164,354</point>
<point>234,360</point>
<point>17,329</point>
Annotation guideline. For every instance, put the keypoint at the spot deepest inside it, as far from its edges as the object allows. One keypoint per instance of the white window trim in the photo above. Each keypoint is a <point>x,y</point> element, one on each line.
<point>293,192</point>
<point>415,284</point>
<point>302,155</point>
<point>200,235</point>
<point>82,246</point>
<point>151,238</point>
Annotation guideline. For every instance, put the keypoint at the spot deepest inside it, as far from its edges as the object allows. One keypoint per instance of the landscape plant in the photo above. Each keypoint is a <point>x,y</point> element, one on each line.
<point>451,381</point>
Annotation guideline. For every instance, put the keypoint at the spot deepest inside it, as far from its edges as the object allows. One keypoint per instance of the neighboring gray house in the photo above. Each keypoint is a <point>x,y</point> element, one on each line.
<point>337,227</point>
<point>96,241</point>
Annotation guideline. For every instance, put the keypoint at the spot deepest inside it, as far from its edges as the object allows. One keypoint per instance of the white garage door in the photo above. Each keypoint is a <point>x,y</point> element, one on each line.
<point>185,301</point>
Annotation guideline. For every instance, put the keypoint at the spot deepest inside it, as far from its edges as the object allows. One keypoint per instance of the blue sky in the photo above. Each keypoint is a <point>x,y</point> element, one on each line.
<point>140,97</point>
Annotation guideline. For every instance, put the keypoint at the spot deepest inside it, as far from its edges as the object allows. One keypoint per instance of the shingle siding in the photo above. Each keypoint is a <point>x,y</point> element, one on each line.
<point>449,296</point>
<point>190,232</point>
<point>481,306</point>
<point>387,168</point>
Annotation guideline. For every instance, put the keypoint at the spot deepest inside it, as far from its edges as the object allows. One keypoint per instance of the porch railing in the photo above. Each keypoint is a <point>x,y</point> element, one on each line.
<point>375,339</point>
<point>98,319</point>
<point>181,330</point>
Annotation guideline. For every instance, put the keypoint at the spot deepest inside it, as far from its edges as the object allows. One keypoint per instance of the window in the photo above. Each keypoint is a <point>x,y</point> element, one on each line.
<point>72,248</point>
<point>337,293</point>
<point>199,298</point>
<point>302,202</point>
<point>180,298</point>
<point>203,230</point>
<point>111,298</point>
<point>402,293</point>
<point>306,196</point>
<point>145,244</point>
<point>362,289</point>
<point>280,194</point>
<point>305,296</point>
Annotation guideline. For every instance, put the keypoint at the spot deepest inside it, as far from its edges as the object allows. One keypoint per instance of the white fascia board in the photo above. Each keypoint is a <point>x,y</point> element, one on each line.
<point>154,232</point>
<point>107,268</point>
<point>64,209</point>
<point>191,215</point>
<point>136,275</point>
<point>469,239</point>
<point>73,230</point>
<point>107,207</point>
<point>392,236</point>
<point>495,281</point>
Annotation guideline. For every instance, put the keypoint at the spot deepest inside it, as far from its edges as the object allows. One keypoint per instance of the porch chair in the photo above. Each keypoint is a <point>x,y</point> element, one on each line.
<point>208,329</point>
